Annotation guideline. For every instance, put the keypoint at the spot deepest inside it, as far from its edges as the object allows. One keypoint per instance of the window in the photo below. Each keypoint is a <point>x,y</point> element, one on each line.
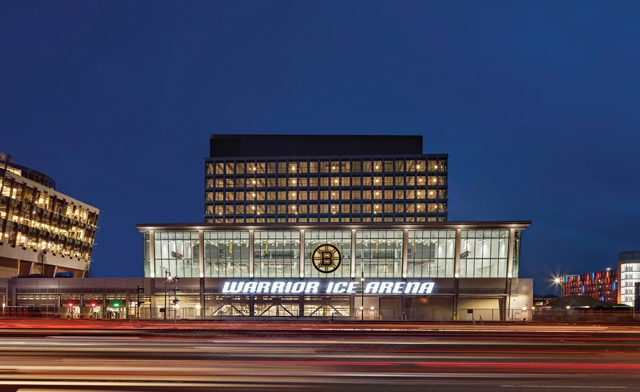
<point>226,254</point>
<point>177,253</point>
<point>240,168</point>
<point>276,254</point>
<point>430,253</point>
<point>379,253</point>
<point>483,253</point>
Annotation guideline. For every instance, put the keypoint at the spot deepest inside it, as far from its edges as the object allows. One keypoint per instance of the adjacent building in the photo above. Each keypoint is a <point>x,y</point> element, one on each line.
<point>277,179</point>
<point>42,231</point>
<point>629,267</point>
<point>602,285</point>
<point>613,286</point>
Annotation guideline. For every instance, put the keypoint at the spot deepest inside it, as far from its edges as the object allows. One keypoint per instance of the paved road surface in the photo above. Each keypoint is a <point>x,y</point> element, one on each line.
<point>333,357</point>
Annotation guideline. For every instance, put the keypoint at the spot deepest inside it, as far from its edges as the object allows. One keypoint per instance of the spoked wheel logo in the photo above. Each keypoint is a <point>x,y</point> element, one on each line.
<point>326,258</point>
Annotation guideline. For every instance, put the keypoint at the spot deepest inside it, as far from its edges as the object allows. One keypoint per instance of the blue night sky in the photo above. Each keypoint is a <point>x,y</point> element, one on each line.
<point>537,104</point>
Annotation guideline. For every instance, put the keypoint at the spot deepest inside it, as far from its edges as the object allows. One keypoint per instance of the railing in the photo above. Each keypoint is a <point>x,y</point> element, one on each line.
<point>585,315</point>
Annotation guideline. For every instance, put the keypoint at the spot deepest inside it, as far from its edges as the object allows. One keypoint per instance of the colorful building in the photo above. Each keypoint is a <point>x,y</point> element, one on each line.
<point>601,285</point>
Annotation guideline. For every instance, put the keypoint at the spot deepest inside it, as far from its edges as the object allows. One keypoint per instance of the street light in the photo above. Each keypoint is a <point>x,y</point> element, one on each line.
<point>557,282</point>
<point>362,297</point>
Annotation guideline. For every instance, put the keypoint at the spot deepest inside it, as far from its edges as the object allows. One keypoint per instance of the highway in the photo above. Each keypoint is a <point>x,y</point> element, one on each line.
<point>317,356</point>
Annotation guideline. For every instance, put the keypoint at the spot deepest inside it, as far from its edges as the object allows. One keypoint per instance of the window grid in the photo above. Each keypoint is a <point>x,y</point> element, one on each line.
<point>379,253</point>
<point>483,253</point>
<point>430,253</point>
<point>177,253</point>
<point>276,254</point>
<point>408,190</point>
<point>226,254</point>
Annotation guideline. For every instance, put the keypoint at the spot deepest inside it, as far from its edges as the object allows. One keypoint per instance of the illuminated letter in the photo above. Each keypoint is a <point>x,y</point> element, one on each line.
<point>249,287</point>
<point>397,287</point>
<point>298,287</point>
<point>277,287</point>
<point>340,287</point>
<point>287,288</point>
<point>330,287</point>
<point>372,288</point>
<point>386,287</point>
<point>426,288</point>
<point>232,287</point>
<point>412,288</point>
<point>263,287</point>
<point>312,287</point>
<point>351,288</point>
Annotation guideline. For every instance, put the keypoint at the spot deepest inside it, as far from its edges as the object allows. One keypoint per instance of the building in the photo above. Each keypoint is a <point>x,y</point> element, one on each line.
<point>601,285</point>
<point>42,231</point>
<point>427,271</point>
<point>629,267</point>
<point>349,227</point>
<point>613,286</point>
<point>266,179</point>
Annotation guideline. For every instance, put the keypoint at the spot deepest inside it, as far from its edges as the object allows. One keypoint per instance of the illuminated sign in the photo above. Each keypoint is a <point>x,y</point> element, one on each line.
<point>326,258</point>
<point>330,287</point>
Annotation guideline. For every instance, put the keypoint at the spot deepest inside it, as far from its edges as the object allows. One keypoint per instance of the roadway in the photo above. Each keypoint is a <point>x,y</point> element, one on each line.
<point>50,355</point>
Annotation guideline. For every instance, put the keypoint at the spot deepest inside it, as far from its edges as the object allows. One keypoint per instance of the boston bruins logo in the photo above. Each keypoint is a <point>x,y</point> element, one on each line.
<point>326,258</point>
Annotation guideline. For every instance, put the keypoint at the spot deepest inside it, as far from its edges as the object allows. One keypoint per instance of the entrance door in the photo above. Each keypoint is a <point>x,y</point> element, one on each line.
<point>390,308</point>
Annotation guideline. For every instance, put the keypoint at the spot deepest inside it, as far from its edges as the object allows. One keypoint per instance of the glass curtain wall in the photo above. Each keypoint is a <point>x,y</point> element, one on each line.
<point>276,254</point>
<point>338,238</point>
<point>340,190</point>
<point>629,275</point>
<point>430,253</point>
<point>483,253</point>
<point>379,253</point>
<point>516,254</point>
<point>226,254</point>
<point>147,256</point>
<point>177,253</point>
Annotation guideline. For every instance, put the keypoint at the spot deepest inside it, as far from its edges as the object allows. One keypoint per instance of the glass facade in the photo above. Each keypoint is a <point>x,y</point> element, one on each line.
<point>226,254</point>
<point>32,218</point>
<point>516,253</point>
<point>147,255</point>
<point>483,253</point>
<point>177,253</point>
<point>407,189</point>
<point>276,254</point>
<point>430,253</point>
<point>379,253</point>
<point>629,276</point>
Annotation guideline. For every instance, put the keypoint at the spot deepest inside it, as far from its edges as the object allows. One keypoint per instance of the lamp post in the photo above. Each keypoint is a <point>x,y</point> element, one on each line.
<point>557,281</point>
<point>175,299</point>
<point>168,279</point>
<point>140,289</point>
<point>362,297</point>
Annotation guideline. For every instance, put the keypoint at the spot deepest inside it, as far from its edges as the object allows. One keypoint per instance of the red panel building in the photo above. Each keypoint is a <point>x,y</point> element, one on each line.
<point>601,285</point>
